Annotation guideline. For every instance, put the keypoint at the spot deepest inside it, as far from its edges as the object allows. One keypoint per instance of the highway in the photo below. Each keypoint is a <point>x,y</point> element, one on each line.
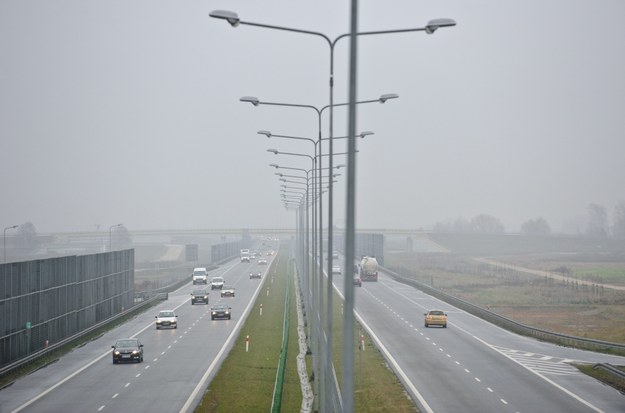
<point>178,363</point>
<point>471,366</point>
<point>474,366</point>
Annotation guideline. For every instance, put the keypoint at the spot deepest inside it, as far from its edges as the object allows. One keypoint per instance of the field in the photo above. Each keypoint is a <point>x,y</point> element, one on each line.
<point>574,297</point>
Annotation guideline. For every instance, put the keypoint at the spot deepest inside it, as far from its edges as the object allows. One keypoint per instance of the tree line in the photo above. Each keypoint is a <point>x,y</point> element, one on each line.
<point>597,224</point>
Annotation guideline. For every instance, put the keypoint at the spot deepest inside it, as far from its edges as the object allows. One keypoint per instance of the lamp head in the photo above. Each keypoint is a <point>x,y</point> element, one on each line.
<point>365,133</point>
<point>274,165</point>
<point>435,24</point>
<point>253,100</point>
<point>264,132</point>
<point>388,96</point>
<point>274,151</point>
<point>230,16</point>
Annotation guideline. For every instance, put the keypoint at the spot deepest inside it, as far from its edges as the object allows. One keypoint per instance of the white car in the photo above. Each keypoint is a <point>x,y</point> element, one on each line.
<point>166,318</point>
<point>227,291</point>
<point>200,275</point>
<point>262,261</point>
<point>217,283</point>
<point>336,269</point>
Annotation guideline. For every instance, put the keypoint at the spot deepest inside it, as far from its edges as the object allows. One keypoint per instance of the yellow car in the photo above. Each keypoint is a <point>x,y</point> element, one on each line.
<point>436,318</point>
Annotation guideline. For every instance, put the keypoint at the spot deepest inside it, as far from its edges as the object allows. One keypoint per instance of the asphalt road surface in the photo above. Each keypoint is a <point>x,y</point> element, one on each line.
<point>178,363</point>
<point>472,365</point>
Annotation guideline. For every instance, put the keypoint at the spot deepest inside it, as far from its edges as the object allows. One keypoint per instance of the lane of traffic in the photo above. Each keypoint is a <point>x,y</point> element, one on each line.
<point>395,312</point>
<point>181,355</point>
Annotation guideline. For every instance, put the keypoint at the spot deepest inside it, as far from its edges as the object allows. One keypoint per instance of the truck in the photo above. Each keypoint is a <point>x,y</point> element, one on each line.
<point>245,255</point>
<point>368,269</point>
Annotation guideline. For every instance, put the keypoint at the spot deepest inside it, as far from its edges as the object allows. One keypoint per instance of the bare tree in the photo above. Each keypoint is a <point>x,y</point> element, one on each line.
<point>486,224</point>
<point>538,226</point>
<point>460,225</point>
<point>27,238</point>
<point>597,221</point>
<point>121,238</point>
<point>618,227</point>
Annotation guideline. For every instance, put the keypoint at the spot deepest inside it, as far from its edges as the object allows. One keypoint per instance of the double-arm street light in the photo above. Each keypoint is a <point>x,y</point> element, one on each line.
<point>5,240</point>
<point>433,25</point>
<point>381,99</point>
<point>317,144</point>
<point>319,111</point>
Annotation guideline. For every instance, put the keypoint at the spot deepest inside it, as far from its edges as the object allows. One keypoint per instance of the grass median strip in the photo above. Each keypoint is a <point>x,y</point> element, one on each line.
<point>246,380</point>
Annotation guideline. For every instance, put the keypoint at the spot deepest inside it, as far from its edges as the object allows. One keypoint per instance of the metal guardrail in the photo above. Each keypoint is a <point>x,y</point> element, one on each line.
<point>508,324</point>
<point>610,369</point>
<point>44,352</point>
<point>276,404</point>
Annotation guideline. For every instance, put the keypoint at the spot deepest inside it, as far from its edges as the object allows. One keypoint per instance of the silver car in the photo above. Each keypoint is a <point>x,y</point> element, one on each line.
<point>166,318</point>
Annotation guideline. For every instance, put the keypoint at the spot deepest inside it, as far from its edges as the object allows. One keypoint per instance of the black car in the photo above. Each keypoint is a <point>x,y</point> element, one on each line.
<point>255,274</point>
<point>199,296</point>
<point>127,349</point>
<point>220,311</point>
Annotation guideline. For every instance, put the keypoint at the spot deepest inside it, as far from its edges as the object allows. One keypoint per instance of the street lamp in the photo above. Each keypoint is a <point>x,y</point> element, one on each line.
<point>318,211</point>
<point>432,26</point>
<point>319,111</point>
<point>111,236</point>
<point>5,240</point>
<point>268,134</point>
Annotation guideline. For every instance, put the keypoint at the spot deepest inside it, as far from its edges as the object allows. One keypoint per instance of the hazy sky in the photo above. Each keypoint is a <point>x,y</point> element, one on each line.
<point>128,111</point>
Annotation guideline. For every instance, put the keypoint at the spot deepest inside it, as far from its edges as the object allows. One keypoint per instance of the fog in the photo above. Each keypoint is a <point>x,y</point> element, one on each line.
<point>128,112</point>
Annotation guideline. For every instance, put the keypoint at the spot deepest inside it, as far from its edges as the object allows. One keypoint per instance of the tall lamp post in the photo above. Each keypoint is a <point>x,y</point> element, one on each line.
<point>111,236</point>
<point>319,111</point>
<point>233,19</point>
<point>5,241</point>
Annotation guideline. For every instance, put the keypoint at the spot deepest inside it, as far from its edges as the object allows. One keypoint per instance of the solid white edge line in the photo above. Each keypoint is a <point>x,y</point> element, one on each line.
<point>80,370</point>
<point>217,359</point>
<point>556,385</point>
<point>40,395</point>
<point>398,370</point>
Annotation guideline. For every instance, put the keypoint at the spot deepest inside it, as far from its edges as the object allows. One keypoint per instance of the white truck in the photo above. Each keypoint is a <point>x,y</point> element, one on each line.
<point>368,269</point>
<point>200,276</point>
<point>245,255</point>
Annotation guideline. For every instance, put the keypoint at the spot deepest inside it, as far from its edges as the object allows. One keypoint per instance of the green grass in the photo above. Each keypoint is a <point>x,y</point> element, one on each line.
<point>603,376</point>
<point>376,387</point>
<point>245,381</point>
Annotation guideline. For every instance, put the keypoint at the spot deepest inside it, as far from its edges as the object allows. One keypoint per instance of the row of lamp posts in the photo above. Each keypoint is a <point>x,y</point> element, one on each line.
<point>324,385</point>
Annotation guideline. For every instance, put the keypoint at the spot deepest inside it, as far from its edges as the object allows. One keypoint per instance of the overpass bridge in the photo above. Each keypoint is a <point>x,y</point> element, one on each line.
<point>231,231</point>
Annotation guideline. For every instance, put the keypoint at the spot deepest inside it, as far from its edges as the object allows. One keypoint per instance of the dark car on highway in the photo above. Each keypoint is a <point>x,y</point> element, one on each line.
<point>199,296</point>
<point>220,311</point>
<point>255,274</point>
<point>127,349</point>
